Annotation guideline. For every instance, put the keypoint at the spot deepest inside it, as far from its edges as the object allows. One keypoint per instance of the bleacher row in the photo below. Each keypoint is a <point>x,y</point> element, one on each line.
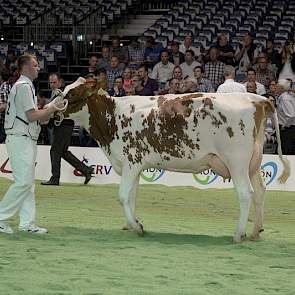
<point>205,20</point>
<point>23,12</point>
<point>46,55</point>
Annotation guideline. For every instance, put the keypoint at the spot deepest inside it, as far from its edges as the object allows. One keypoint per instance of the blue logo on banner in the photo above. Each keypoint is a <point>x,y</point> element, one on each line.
<point>152,174</point>
<point>269,172</point>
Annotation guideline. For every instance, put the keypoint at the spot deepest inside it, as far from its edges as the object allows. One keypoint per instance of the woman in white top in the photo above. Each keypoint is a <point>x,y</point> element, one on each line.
<point>288,62</point>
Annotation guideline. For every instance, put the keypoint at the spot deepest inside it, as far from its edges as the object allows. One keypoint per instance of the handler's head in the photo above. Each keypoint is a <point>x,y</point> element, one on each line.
<point>28,66</point>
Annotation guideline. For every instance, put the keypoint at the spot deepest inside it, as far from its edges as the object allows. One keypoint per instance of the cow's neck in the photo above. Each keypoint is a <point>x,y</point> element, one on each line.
<point>102,121</point>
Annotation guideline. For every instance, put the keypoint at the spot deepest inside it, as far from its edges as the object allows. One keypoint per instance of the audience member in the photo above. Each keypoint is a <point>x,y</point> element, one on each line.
<point>226,51</point>
<point>263,74</point>
<point>105,61</point>
<point>118,50</point>
<point>251,77</point>
<point>202,84</point>
<point>150,86</point>
<point>162,71</point>
<point>189,64</point>
<point>214,68</point>
<point>187,45</point>
<point>136,54</point>
<point>127,75</point>
<point>229,84</point>
<point>118,89</point>
<point>152,52</point>
<point>288,62</point>
<point>114,71</point>
<point>92,68</point>
<point>175,56</point>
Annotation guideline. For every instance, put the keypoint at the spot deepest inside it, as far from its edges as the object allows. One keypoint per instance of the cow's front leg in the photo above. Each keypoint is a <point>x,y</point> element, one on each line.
<point>127,195</point>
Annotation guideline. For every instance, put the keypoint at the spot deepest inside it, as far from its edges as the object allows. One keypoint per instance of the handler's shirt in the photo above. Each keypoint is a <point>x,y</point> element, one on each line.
<point>23,97</point>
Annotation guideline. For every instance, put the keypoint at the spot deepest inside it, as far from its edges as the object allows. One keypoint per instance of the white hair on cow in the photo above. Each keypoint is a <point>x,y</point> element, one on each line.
<point>285,84</point>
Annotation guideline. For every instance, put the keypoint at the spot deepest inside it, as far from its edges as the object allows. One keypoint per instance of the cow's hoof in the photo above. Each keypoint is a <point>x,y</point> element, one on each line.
<point>239,238</point>
<point>254,237</point>
<point>140,230</point>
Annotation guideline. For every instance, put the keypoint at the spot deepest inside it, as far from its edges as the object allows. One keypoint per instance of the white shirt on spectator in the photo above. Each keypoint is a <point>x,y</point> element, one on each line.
<point>260,89</point>
<point>161,72</point>
<point>188,70</point>
<point>230,85</point>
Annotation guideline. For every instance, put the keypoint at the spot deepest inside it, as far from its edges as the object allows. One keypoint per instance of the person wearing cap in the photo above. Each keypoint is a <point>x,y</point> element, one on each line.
<point>175,56</point>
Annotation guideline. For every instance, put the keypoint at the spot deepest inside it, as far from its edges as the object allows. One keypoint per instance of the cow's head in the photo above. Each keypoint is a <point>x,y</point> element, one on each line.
<point>90,107</point>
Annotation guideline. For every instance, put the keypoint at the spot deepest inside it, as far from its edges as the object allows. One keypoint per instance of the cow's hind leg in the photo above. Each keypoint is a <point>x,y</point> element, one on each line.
<point>127,195</point>
<point>244,190</point>
<point>258,200</point>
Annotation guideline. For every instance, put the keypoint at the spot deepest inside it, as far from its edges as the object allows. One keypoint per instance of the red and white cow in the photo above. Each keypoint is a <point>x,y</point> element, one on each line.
<point>186,133</point>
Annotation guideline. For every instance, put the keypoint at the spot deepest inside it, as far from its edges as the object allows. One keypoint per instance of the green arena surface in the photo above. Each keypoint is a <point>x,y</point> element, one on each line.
<point>187,248</point>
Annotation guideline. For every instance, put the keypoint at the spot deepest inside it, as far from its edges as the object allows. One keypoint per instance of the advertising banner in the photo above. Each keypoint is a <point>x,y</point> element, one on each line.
<point>104,173</point>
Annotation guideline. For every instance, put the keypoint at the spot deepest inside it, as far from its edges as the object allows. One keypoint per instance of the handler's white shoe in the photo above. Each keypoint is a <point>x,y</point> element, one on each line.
<point>34,229</point>
<point>5,228</point>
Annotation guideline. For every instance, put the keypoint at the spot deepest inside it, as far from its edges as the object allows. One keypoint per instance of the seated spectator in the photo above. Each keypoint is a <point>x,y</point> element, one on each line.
<point>202,84</point>
<point>214,68</point>
<point>287,70</point>
<point>102,74</point>
<point>150,86</point>
<point>137,85</point>
<point>105,61</point>
<point>162,71</point>
<point>251,77</point>
<point>187,45</point>
<point>177,74</point>
<point>263,74</point>
<point>152,52</point>
<point>272,91</point>
<point>136,54</point>
<point>92,69</point>
<point>121,52</point>
<point>190,85</point>
<point>114,71</point>
<point>226,51</point>
<point>251,87</point>
<point>175,56</point>
<point>245,56</point>
<point>229,84</point>
<point>189,64</point>
<point>127,75</point>
<point>118,89</point>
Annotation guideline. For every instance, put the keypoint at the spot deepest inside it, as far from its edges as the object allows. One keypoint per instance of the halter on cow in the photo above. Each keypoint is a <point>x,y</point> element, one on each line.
<point>185,133</point>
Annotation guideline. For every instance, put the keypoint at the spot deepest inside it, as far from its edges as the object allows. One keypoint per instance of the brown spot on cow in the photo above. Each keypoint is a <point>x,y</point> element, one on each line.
<point>208,102</point>
<point>177,106</point>
<point>132,108</point>
<point>242,126</point>
<point>193,95</point>
<point>230,131</point>
<point>222,117</point>
<point>152,98</point>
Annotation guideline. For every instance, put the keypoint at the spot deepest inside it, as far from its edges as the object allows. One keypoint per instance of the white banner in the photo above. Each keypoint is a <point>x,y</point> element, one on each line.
<point>104,174</point>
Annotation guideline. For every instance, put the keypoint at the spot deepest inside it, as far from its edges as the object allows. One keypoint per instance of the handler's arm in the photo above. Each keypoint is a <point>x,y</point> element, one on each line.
<point>40,115</point>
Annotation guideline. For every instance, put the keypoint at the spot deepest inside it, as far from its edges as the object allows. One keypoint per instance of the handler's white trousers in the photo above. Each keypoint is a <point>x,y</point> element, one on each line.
<point>20,196</point>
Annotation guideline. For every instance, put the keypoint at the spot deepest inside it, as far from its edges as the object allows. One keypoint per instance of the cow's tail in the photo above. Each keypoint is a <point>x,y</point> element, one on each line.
<point>286,164</point>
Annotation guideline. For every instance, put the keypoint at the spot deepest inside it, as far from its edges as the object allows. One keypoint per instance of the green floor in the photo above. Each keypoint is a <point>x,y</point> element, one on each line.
<point>187,248</point>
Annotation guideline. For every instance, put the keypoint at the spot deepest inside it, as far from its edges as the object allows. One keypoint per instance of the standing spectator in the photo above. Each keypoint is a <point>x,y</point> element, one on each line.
<point>136,54</point>
<point>288,62</point>
<point>150,86</point>
<point>152,52</point>
<point>229,84</point>
<point>202,84</point>
<point>105,61</point>
<point>273,55</point>
<point>189,64</point>
<point>187,45</point>
<point>251,77</point>
<point>175,56</point>
<point>121,52</point>
<point>214,68</point>
<point>22,128</point>
<point>162,71</point>
<point>226,51</point>
<point>114,71</point>
<point>286,117</point>
<point>61,141</point>
<point>118,89</point>
<point>263,74</point>
<point>92,68</point>
<point>245,56</point>
<point>11,61</point>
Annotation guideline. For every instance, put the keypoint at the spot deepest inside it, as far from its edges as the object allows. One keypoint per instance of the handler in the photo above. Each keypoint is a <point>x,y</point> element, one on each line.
<point>22,128</point>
